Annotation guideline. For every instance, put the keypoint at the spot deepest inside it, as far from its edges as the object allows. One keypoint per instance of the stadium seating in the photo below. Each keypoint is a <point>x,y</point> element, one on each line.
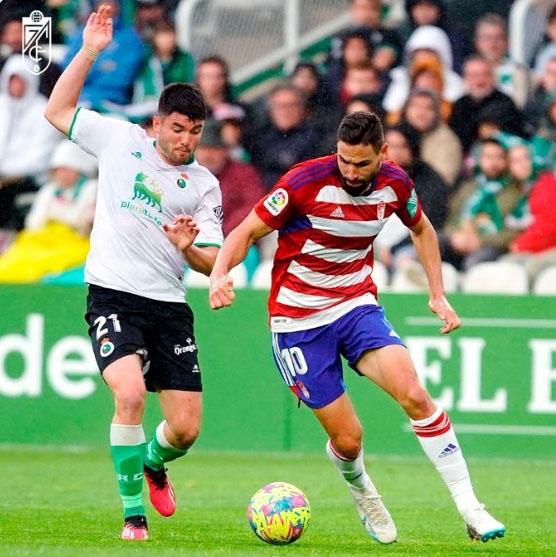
<point>545,283</point>
<point>413,279</point>
<point>495,277</point>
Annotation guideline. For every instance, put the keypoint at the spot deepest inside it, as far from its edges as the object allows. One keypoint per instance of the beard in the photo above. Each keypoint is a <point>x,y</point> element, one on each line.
<point>355,191</point>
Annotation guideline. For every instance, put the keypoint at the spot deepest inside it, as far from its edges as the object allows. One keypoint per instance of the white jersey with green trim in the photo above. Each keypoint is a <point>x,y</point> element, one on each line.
<point>137,193</point>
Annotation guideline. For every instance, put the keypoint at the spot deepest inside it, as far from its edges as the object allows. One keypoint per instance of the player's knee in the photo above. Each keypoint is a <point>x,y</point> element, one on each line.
<point>130,401</point>
<point>184,435</point>
<point>417,402</point>
<point>348,444</point>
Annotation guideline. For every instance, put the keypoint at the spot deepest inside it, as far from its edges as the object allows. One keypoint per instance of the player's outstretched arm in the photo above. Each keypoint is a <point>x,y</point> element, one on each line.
<point>232,253</point>
<point>62,103</point>
<point>426,245</point>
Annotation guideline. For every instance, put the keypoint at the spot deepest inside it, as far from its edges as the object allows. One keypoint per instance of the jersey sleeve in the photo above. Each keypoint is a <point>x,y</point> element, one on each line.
<point>208,217</point>
<point>277,207</point>
<point>409,210</point>
<point>95,133</point>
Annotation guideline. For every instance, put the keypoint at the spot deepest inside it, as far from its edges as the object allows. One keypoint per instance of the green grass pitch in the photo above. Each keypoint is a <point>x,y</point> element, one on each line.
<point>65,503</point>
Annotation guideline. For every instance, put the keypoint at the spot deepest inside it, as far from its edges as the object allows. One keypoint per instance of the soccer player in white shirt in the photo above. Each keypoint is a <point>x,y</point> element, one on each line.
<point>157,210</point>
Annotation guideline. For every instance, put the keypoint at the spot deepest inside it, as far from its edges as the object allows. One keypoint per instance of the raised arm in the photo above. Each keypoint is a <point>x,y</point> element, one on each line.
<point>426,245</point>
<point>62,103</point>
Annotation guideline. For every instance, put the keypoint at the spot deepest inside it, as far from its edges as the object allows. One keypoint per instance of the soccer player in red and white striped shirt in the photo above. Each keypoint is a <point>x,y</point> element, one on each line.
<point>323,305</point>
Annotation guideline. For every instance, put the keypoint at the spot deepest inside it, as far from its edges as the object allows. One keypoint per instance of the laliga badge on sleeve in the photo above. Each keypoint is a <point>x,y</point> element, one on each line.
<point>37,42</point>
<point>276,201</point>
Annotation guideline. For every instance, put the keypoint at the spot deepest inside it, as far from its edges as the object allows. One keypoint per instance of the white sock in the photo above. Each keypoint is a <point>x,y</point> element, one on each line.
<point>440,444</point>
<point>353,471</point>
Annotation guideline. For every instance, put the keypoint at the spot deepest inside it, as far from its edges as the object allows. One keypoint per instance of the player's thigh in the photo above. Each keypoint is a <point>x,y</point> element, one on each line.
<point>392,369</point>
<point>309,363</point>
<point>124,376</point>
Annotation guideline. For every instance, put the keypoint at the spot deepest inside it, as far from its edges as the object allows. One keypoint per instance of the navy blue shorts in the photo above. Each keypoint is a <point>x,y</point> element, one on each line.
<point>161,333</point>
<point>310,361</point>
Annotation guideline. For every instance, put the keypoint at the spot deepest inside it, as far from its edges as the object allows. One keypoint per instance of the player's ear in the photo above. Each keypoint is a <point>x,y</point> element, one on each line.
<point>156,124</point>
<point>384,151</point>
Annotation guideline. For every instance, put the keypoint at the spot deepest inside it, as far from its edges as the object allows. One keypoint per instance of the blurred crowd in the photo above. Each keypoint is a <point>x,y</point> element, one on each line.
<point>474,129</point>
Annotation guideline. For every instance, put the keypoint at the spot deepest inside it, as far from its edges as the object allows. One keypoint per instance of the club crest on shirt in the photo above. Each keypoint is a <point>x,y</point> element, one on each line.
<point>218,213</point>
<point>276,201</point>
<point>181,181</point>
<point>380,209</point>
<point>411,204</point>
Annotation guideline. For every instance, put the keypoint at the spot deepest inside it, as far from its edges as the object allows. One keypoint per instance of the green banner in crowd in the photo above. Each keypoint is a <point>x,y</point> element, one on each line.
<point>496,376</point>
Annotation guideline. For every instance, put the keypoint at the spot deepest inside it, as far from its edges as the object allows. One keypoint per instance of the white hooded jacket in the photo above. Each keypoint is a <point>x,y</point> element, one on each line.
<point>424,37</point>
<point>26,137</point>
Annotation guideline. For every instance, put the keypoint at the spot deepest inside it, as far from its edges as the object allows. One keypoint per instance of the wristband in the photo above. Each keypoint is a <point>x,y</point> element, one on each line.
<point>90,53</point>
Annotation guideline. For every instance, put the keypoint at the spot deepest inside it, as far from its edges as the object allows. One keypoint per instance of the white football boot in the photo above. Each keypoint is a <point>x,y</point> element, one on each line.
<point>481,525</point>
<point>374,515</point>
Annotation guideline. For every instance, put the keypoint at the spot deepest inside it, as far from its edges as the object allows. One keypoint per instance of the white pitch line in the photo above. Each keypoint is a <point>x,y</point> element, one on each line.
<point>487,322</point>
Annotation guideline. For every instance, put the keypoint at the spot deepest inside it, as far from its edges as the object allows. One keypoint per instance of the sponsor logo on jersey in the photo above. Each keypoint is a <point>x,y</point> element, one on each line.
<point>151,196</point>
<point>276,201</point>
<point>196,369</point>
<point>106,347</point>
<point>337,213</point>
<point>137,154</point>
<point>411,204</point>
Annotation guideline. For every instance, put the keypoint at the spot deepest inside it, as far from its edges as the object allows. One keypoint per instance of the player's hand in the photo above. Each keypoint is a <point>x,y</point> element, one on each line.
<point>445,313</point>
<point>183,231</point>
<point>97,34</point>
<point>221,291</point>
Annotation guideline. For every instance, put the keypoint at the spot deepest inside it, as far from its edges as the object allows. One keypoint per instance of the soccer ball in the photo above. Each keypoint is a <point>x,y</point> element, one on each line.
<point>279,513</point>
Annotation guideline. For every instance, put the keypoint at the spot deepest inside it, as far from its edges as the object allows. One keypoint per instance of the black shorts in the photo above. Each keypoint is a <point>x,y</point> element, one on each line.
<point>161,333</point>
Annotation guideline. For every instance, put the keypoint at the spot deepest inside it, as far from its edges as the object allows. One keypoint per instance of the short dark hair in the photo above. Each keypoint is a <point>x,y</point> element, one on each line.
<point>183,98</point>
<point>361,128</point>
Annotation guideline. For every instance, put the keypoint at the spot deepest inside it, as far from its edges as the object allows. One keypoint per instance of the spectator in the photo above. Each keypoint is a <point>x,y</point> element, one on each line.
<point>11,42</point>
<point>386,46</point>
<point>541,97</point>
<point>112,77</point>
<point>394,246</point>
<point>439,146</point>
<point>481,92</point>
<point>425,43</point>
<point>26,138</point>
<point>213,79</point>
<point>240,182</point>
<point>535,247</point>
<point>232,129</point>
<point>364,103</point>
<point>434,12</point>
<point>491,42</point>
<point>544,139</point>
<point>166,64</point>
<point>321,110</point>
<point>149,14</point>
<point>356,50</point>
<point>547,51</point>
<point>56,233</point>
<point>477,227</point>
<point>287,139</point>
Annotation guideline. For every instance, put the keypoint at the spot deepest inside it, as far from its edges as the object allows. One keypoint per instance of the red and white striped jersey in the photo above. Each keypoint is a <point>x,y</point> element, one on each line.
<point>324,260</point>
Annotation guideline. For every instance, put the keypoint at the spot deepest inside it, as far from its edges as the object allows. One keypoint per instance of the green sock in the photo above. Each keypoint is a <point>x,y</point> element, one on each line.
<point>127,447</point>
<point>159,451</point>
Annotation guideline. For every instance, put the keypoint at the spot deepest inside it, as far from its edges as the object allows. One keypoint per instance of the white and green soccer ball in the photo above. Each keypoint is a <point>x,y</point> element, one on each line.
<point>279,513</point>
